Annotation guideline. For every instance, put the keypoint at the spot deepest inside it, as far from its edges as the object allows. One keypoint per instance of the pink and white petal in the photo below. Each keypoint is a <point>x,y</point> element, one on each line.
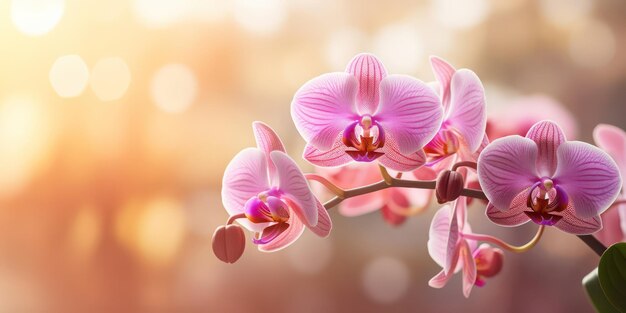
<point>612,140</point>
<point>245,177</point>
<point>575,224</point>
<point>513,217</point>
<point>369,71</point>
<point>324,223</point>
<point>589,176</point>
<point>409,112</point>
<point>267,140</point>
<point>286,238</point>
<point>323,107</point>
<point>440,280</point>
<point>363,204</point>
<point>611,227</point>
<point>505,168</point>
<point>393,159</point>
<point>443,237</point>
<point>467,112</point>
<point>469,268</point>
<point>548,136</point>
<point>292,183</point>
<point>336,156</point>
<point>443,74</point>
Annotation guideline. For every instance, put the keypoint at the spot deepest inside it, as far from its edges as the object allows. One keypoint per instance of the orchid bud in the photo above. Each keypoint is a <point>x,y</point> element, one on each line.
<point>229,243</point>
<point>449,186</point>
<point>488,260</point>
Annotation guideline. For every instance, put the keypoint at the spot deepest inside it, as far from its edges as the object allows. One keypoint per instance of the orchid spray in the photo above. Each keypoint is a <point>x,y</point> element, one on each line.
<point>387,142</point>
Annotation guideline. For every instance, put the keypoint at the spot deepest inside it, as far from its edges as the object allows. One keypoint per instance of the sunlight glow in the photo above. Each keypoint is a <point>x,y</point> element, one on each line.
<point>36,17</point>
<point>110,78</point>
<point>69,75</point>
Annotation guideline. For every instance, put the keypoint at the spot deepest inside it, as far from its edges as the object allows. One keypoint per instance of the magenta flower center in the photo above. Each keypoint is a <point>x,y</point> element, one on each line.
<point>364,138</point>
<point>268,207</point>
<point>545,198</point>
<point>445,143</point>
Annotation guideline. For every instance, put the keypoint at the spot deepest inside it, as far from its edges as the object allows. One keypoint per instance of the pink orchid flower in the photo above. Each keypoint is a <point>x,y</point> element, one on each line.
<point>395,203</point>
<point>266,185</point>
<point>547,179</point>
<point>613,140</point>
<point>364,114</point>
<point>450,249</point>
<point>462,131</point>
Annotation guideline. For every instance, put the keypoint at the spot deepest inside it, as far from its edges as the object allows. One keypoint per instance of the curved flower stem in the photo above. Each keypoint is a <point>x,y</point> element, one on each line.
<point>235,217</point>
<point>330,186</point>
<point>506,246</point>
<point>469,164</point>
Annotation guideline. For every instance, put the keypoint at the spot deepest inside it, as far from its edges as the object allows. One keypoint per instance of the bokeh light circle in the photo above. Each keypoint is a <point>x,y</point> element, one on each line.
<point>36,17</point>
<point>260,16</point>
<point>174,88</point>
<point>110,78</point>
<point>462,14</point>
<point>69,76</point>
<point>386,279</point>
<point>159,13</point>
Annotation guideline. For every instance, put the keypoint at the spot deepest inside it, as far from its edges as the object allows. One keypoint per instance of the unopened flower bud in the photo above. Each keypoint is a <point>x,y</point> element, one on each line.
<point>449,186</point>
<point>488,260</point>
<point>229,243</point>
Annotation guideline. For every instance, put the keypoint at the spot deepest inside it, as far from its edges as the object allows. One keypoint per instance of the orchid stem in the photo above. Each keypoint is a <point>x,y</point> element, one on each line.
<point>326,183</point>
<point>385,174</point>
<point>593,243</point>
<point>235,217</point>
<point>469,164</point>
<point>506,246</point>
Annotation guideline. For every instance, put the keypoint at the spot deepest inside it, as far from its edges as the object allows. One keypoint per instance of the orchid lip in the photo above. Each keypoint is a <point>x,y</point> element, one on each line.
<point>364,138</point>
<point>543,198</point>
<point>445,143</point>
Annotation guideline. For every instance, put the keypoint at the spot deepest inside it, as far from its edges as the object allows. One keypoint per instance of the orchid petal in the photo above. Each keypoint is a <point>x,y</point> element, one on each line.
<point>548,136</point>
<point>393,159</point>
<point>443,73</point>
<point>324,223</point>
<point>336,156</point>
<point>612,230</point>
<point>589,177</point>
<point>362,204</point>
<point>271,233</point>
<point>369,71</point>
<point>245,177</point>
<point>505,168</point>
<point>513,217</point>
<point>286,237</point>
<point>577,225</point>
<point>612,140</point>
<point>323,107</point>
<point>294,185</point>
<point>469,268</point>
<point>267,140</point>
<point>410,112</point>
<point>441,279</point>
<point>443,237</point>
<point>467,108</point>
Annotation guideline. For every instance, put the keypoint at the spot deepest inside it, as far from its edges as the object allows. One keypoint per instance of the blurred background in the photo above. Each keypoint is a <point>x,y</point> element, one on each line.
<point>117,119</point>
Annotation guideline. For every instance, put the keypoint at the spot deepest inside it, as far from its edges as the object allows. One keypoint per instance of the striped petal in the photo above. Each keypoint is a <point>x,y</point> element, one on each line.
<point>548,136</point>
<point>323,107</point>
<point>612,140</point>
<point>505,168</point>
<point>443,74</point>
<point>589,176</point>
<point>369,71</point>
<point>267,140</point>
<point>574,224</point>
<point>292,183</point>
<point>410,112</point>
<point>467,108</point>
<point>336,156</point>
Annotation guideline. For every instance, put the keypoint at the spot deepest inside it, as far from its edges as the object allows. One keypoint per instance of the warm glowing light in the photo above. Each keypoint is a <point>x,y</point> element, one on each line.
<point>110,78</point>
<point>174,88</point>
<point>69,75</point>
<point>85,232</point>
<point>159,13</point>
<point>459,14</point>
<point>565,13</point>
<point>23,147</point>
<point>400,47</point>
<point>36,17</point>
<point>386,279</point>
<point>260,16</point>
<point>343,45</point>
<point>160,230</point>
<point>311,255</point>
<point>592,45</point>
